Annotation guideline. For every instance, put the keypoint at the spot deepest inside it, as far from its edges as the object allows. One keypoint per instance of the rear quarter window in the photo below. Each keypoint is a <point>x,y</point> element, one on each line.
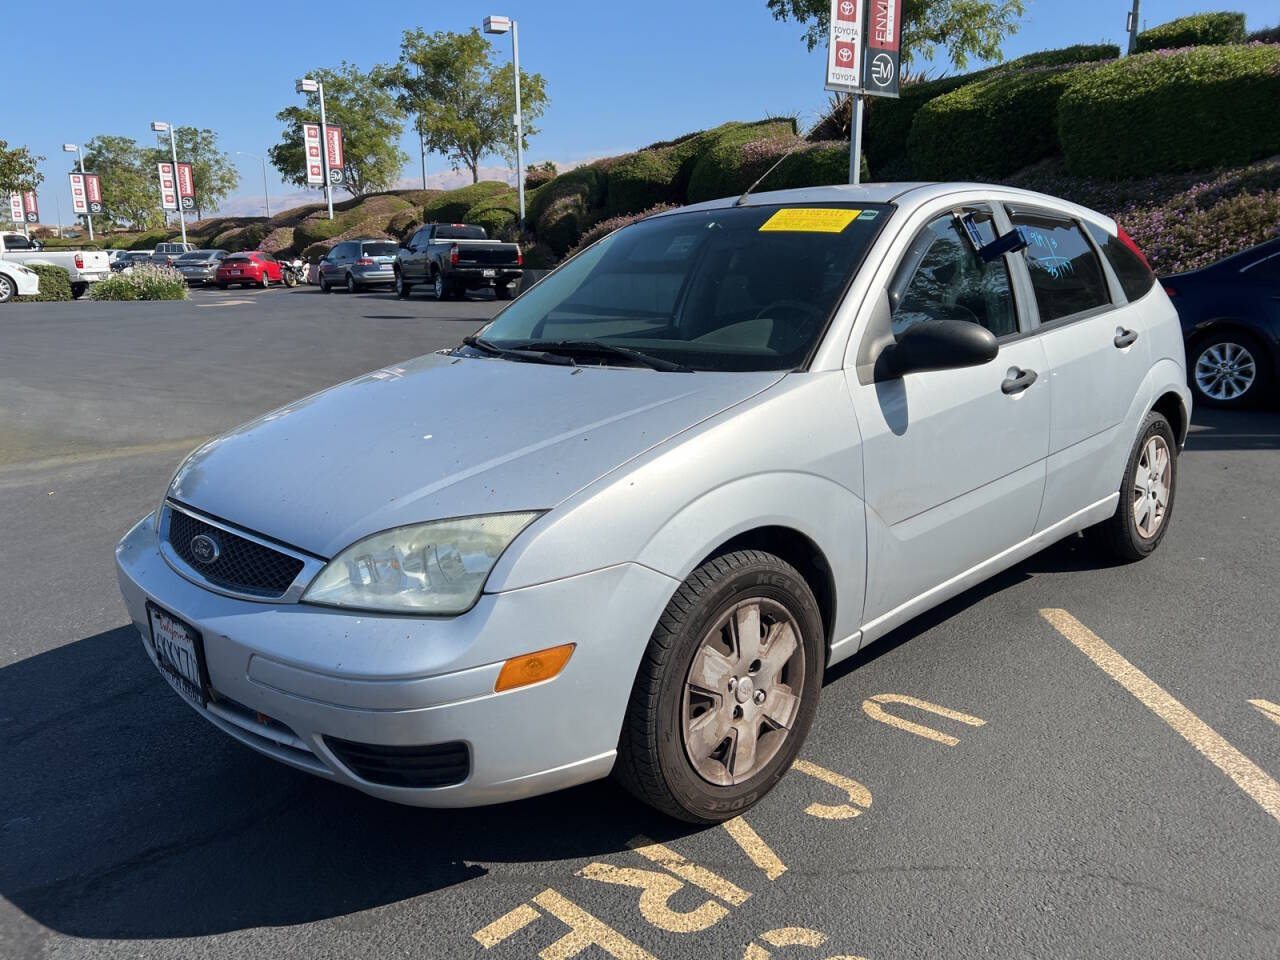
<point>1134,276</point>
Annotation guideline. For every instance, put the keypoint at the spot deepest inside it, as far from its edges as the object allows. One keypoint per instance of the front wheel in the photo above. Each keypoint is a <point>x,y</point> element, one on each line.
<point>1228,369</point>
<point>7,289</point>
<point>265,281</point>
<point>402,288</point>
<point>727,690</point>
<point>290,278</point>
<point>1145,509</point>
<point>439,287</point>
<point>324,285</point>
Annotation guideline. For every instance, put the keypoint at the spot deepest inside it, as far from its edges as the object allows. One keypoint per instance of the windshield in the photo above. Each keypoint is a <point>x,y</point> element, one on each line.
<point>739,288</point>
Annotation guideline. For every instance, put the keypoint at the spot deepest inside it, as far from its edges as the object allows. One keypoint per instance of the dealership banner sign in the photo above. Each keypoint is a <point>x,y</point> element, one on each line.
<point>186,186</point>
<point>311,145</point>
<point>93,192</point>
<point>844,47</point>
<point>884,47</point>
<point>79,200</point>
<point>30,208</point>
<point>15,207</point>
<point>168,186</point>
<point>334,145</point>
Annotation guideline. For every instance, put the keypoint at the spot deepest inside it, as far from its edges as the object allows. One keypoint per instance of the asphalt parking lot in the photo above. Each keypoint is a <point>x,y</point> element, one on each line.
<point>1071,760</point>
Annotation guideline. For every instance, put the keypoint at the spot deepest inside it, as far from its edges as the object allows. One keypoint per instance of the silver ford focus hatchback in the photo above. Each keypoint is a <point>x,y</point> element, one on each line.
<point>627,526</point>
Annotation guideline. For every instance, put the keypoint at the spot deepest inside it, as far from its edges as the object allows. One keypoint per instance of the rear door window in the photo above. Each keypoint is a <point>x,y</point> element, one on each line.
<point>1135,276</point>
<point>1066,273</point>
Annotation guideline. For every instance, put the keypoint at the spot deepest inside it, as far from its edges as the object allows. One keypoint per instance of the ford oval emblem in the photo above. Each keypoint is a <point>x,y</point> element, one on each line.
<point>204,548</point>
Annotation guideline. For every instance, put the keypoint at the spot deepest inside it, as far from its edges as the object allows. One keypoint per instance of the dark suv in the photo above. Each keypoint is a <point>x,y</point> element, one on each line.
<point>356,264</point>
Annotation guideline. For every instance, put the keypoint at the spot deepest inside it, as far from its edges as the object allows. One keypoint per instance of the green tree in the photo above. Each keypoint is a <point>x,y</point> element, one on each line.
<point>371,120</point>
<point>963,28</point>
<point>464,104</point>
<point>212,171</point>
<point>18,169</point>
<point>130,187</point>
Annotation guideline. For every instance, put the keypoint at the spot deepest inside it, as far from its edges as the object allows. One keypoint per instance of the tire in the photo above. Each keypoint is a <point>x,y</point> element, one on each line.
<point>1124,535</point>
<point>352,286</point>
<point>8,289</point>
<point>503,291</point>
<point>324,285</point>
<point>78,290</point>
<point>224,286</point>
<point>439,286</point>
<point>654,763</point>
<point>402,288</point>
<point>1228,369</point>
<point>290,278</point>
<point>265,281</point>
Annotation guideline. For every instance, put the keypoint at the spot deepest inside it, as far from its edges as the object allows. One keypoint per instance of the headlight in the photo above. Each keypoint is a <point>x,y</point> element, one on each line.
<point>431,568</point>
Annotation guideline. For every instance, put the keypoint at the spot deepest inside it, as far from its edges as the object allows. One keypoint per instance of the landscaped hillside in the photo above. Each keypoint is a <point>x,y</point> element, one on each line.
<point>1181,146</point>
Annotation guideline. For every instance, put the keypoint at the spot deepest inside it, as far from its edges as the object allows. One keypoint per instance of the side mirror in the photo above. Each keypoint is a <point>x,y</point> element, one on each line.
<point>937,345</point>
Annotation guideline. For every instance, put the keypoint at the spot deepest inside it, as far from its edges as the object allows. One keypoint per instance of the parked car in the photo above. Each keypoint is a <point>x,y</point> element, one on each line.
<point>244,269</point>
<point>356,264</point>
<point>83,266</point>
<point>628,525</point>
<point>129,259</point>
<point>1230,313</point>
<point>313,271</point>
<point>200,266</point>
<point>167,254</point>
<point>17,281</point>
<point>456,257</point>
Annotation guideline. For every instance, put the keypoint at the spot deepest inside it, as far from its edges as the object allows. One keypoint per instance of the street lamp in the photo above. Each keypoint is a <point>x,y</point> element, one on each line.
<point>504,25</point>
<point>307,85</point>
<point>75,148</point>
<point>160,127</point>
<point>266,201</point>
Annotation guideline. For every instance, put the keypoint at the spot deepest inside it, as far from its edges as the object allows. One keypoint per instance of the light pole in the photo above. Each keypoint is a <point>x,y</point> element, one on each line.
<point>1133,27</point>
<point>160,127</point>
<point>503,25</point>
<point>75,148</point>
<point>307,85</point>
<point>266,201</point>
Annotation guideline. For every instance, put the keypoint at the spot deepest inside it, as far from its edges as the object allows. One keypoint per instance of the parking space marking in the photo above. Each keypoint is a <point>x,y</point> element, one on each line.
<point>711,882</point>
<point>585,932</point>
<point>1267,709</point>
<point>656,890</point>
<point>856,792</point>
<point>871,707</point>
<point>506,925</point>
<point>753,846</point>
<point>1248,776</point>
<point>224,303</point>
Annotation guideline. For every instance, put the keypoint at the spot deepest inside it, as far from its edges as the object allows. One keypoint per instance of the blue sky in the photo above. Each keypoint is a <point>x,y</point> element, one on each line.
<point>619,76</point>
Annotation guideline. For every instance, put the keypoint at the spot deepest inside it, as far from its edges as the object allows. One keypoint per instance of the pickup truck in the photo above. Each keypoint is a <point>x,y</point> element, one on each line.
<point>456,257</point>
<point>167,254</point>
<point>83,266</point>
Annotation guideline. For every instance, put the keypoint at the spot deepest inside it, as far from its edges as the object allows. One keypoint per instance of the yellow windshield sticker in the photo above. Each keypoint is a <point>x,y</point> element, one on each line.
<point>811,220</point>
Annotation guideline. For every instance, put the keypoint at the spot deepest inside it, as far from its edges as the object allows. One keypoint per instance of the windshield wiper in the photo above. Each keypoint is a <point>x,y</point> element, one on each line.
<point>516,353</point>
<point>586,347</point>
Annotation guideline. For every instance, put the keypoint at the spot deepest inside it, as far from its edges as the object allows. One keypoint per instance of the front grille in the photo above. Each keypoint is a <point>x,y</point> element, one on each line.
<point>241,565</point>
<point>435,765</point>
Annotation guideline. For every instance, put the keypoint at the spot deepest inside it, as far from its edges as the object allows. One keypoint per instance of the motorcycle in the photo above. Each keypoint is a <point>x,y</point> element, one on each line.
<point>295,272</point>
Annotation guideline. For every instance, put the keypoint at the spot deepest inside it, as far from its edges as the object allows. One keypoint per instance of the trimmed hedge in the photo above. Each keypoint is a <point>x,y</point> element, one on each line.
<point>642,180</point>
<point>887,124</point>
<point>1265,35</point>
<point>723,168</point>
<point>1200,29</point>
<point>497,214</point>
<point>1066,56</point>
<point>990,128</point>
<point>452,205</point>
<point>567,205</point>
<point>55,284</point>
<point>1159,112</point>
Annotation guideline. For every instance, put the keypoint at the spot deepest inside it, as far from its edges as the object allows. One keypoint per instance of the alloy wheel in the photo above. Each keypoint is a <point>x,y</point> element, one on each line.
<point>1152,482</point>
<point>351,284</point>
<point>6,288</point>
<point>1225,371</point>
<point>438,282</point>
<point>742,692</point>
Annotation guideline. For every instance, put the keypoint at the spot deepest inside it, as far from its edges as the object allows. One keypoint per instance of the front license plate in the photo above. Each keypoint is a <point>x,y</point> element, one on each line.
<point>179,653</point>
<point>490,273</point>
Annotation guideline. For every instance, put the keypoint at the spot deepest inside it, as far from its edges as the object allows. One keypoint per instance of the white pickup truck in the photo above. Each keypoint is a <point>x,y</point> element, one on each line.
<point>84,266</point>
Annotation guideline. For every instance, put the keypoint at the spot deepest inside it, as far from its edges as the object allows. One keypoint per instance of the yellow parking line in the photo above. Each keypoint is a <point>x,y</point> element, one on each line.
<point>753,846</point>
<point>1267,709</point>
<point>1248,776</point>
<point>506,925</point>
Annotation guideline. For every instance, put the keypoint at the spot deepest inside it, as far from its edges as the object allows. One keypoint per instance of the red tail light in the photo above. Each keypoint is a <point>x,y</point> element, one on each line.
<point>519,256</point>
<point>453,255</point>
<point>79,262</point>
<point>364,262</point>
<point>1170,291</point>
<point>1128,242</point>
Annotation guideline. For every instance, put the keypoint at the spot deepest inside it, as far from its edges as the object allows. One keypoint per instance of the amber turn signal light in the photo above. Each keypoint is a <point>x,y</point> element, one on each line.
<point>533,667</point>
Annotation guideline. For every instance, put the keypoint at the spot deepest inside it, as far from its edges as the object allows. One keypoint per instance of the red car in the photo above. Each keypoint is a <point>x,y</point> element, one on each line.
<point>245,268</point>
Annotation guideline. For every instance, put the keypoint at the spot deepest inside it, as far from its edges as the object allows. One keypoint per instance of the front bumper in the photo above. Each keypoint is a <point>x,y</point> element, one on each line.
<point>403,681</point>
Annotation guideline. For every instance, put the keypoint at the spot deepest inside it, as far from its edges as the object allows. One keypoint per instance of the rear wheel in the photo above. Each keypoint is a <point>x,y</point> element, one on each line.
<point>352,286</point>
<point>727,690</point>
<point>223,286</point>
<point>290,278</point>
<point>1145,509</point>
<point>78,290</point>
<point>1229,369</point>
<point>504,291</point>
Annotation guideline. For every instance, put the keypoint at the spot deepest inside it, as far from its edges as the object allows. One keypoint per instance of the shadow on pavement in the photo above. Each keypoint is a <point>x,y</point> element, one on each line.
<point>1234,430</point>
<point>124,815</point>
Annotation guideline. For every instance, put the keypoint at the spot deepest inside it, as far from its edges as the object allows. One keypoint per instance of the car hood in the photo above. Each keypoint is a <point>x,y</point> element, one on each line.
<point>442,436</point>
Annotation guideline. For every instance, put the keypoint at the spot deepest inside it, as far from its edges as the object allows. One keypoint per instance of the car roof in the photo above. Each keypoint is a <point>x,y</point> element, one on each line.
<point>909,194</point>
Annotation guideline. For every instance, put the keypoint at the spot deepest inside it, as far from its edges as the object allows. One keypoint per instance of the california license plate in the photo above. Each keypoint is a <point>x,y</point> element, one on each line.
<point>490,273</point>
<point>179,654</point>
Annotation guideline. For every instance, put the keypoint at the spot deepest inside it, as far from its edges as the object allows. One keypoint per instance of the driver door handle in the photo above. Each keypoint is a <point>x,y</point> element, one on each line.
<point>1020,380</point>
<point>1124,337</point>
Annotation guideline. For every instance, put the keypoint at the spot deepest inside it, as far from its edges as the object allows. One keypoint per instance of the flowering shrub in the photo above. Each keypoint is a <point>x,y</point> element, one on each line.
<point>1196,30</point>
<point>148,281</point>
<point>1181,221</point>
